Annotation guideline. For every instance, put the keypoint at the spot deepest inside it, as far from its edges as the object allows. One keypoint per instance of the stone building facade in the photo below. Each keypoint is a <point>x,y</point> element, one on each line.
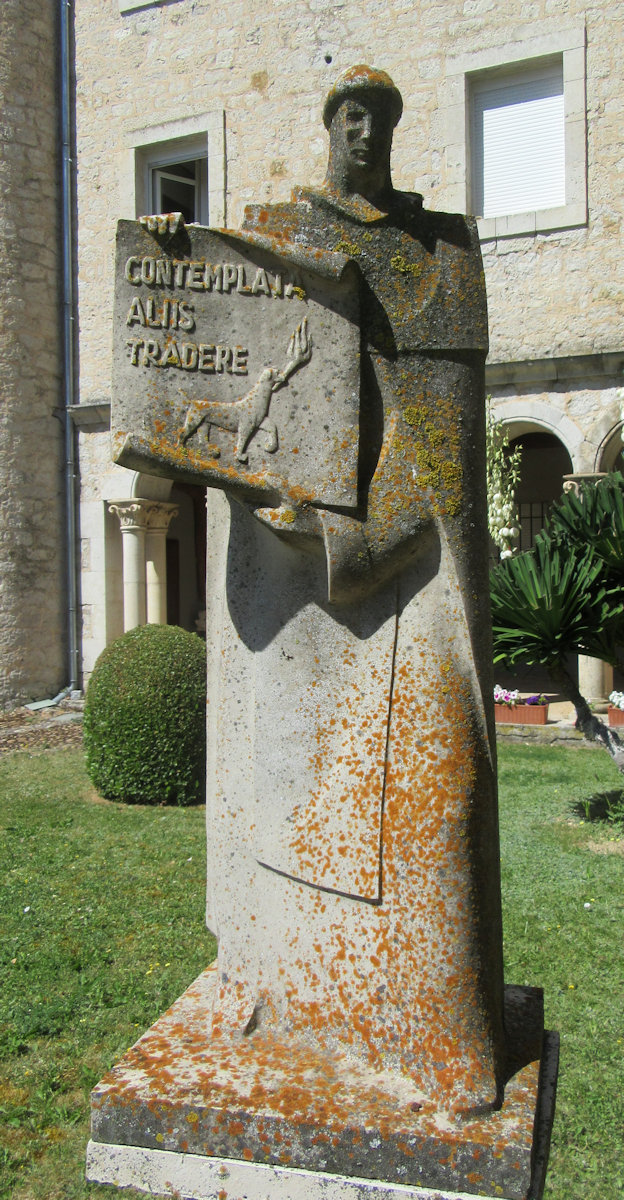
<point>219,107</point>
<point>33,594</point>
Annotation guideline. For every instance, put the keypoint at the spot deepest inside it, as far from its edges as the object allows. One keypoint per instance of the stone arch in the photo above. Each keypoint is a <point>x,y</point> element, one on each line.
<point>151,487</point>
<point>520,416</point>
<point>610,452</point>
<point>154,536</point>
<point>122,484</point>
<point>551,448</point>
<point>551,445</point>
<point>137,514</point>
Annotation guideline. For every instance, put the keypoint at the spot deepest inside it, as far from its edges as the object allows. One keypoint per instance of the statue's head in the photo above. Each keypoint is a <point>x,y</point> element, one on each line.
<point>360,112</point>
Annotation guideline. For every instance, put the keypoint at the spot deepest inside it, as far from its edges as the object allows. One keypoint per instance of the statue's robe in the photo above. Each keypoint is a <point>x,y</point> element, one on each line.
<point>352,826</point>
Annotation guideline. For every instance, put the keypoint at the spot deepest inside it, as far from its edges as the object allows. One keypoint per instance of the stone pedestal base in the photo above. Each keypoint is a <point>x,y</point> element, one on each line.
<point>189,1115</point>
<point>195,1177</point>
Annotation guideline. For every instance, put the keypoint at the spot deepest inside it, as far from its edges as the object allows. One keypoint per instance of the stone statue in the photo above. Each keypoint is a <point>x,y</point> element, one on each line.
<point>322,371</point>
<point>352,825</point>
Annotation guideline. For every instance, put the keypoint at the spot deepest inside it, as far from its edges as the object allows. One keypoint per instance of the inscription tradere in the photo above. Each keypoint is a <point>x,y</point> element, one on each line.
<point>189,356</point>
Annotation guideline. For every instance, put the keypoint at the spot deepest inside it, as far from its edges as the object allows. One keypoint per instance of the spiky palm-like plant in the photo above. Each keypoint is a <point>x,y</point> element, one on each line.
<point>565,596</point>
<point>594,519</point>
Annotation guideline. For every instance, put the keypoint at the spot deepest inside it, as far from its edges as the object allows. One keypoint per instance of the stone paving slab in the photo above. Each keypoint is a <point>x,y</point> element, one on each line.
<point>47,729</point>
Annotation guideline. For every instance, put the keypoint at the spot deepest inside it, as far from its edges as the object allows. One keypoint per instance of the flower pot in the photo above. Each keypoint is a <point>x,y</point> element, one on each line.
<point>616,715</point>
<point>524,714</point>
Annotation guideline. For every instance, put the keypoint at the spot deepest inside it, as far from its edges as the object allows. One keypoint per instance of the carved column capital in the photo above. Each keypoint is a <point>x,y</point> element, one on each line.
<point>131,513</point>
<point>572,483</point>
<point>153,516</point>
<point>159,516</point>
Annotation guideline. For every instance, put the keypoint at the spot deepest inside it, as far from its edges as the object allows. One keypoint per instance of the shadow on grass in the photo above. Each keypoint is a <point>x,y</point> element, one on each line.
<point>602,806</point>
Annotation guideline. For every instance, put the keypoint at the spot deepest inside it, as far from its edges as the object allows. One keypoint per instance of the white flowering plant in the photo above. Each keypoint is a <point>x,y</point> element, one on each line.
<point>617,699</point>
<point>503,696</point>
<point>503,477</point>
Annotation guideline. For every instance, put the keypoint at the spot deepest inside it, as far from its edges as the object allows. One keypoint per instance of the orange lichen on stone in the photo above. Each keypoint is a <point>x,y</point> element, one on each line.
<point>267,1099</point>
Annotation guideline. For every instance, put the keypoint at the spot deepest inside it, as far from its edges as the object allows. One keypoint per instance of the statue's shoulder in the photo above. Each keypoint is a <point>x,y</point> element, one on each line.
<point>281,219</point>
<point>309,218</point>
<point>454,228</point>
<point>313,211</point>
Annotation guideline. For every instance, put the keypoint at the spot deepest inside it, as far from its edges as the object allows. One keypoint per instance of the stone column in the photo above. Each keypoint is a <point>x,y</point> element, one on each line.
<point>595,677</point>
<point>133,520</point>
<point>159,517</point>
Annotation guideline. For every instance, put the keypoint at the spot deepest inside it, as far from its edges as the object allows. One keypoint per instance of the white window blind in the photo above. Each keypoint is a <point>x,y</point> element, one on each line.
<point>518,141</point>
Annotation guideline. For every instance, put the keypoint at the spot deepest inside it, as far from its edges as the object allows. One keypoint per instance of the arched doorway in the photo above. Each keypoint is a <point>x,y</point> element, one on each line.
<point>610,456</point>
<point>545,460</point>
<point>544,463</point>
<point>158,571</point>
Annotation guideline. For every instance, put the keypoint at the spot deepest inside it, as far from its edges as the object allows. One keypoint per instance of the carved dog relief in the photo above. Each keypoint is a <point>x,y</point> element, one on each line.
<point>249,414</point>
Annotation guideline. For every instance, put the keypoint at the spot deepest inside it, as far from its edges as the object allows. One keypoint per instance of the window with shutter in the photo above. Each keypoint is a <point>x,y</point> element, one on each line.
<point>518,141</point>
<point>516,134</point>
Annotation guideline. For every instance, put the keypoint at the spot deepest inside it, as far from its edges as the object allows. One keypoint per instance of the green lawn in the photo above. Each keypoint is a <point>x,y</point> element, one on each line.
<point>103,928</point>
<point>555,861</point>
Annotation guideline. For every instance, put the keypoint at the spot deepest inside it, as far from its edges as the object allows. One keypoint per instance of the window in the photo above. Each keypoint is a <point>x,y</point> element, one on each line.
<point>178,166</point>
<point>516,135</point>
<point>179,187</point>
<point>518,141</point>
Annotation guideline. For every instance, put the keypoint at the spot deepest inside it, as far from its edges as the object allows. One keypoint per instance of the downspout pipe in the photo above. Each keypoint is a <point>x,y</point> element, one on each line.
<point>69,321</point>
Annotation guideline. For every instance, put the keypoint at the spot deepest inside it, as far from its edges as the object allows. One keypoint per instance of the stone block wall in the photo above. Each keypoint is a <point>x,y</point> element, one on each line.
<point>582,411</point>
<point>32,555</point>
<point>255,76</point>
<point>268,69</point>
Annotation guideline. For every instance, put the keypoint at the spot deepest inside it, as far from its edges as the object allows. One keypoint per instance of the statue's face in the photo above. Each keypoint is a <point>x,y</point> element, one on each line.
<point>361,139</point>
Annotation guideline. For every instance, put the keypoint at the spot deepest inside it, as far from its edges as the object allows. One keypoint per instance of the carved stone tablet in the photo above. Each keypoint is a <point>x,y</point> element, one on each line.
<point>236,366</point>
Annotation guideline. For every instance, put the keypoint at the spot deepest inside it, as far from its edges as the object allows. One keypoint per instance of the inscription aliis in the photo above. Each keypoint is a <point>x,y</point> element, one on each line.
<point>176,313</point>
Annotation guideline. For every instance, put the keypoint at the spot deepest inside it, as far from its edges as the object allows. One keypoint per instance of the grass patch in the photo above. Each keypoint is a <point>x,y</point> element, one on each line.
<point>103,910</point>
<point>103,920</point>
<point>552,867</point>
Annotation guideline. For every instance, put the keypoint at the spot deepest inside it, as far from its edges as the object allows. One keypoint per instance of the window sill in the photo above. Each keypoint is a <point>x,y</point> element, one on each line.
<point>131,5</point>
<point>545,220</point>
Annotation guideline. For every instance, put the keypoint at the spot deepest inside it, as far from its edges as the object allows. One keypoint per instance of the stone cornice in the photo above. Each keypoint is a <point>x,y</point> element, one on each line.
<point>550,370</point>
<point>96,412</point>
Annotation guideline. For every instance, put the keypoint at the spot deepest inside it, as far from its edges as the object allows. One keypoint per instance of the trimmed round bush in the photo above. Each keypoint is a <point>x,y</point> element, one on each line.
<point>145,717</point>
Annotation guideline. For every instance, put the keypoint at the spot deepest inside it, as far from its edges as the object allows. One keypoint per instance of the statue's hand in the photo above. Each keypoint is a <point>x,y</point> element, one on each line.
<point>299,352</point>
<point>300,345</point>
<point>163,224</point>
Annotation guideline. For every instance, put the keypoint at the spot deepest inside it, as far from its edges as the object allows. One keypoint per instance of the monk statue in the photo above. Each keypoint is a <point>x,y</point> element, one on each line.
<point>353,840</point>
